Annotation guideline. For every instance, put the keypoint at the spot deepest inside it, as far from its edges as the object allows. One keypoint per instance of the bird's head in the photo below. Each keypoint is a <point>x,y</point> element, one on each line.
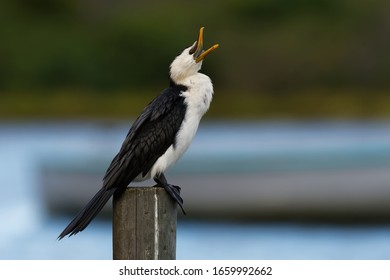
<point>190,60</point>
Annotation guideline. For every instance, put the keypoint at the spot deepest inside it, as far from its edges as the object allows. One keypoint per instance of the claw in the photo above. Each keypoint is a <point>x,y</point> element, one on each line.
<point>174,191</point>
<point>177,188</point>
<point>175,194</point>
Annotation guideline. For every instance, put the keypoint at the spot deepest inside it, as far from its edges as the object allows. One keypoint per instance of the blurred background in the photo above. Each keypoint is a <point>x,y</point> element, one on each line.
<point>292,161</point>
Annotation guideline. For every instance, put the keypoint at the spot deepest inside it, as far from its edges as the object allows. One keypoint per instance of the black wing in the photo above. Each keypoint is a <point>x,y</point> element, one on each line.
<point>152,133</point>
<point>150,136</point>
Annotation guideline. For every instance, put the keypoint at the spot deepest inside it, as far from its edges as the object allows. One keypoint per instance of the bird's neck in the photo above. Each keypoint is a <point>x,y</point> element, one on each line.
<point>198,93</point>
<point>188,81</point>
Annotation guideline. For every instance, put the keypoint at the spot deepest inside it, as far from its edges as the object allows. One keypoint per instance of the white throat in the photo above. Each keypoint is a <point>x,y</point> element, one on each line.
<point>184,66</point>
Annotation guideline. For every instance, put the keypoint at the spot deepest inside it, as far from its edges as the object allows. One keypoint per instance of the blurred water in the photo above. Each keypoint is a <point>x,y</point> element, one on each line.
<point>28,232</point>
<point>213,240</point>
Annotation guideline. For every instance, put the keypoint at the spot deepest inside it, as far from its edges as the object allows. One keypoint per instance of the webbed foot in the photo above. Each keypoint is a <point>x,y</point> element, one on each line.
<point>174,191</point>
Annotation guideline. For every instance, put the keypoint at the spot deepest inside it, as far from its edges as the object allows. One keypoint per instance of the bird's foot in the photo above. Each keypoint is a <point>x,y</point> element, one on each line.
<point>177,188</point>
<point>174,192</point>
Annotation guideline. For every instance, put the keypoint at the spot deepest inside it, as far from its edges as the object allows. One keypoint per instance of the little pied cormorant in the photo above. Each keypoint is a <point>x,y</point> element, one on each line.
<point>159,136</point>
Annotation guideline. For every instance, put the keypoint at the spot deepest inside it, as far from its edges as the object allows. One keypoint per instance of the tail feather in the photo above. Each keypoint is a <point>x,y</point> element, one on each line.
<point>86,215</point>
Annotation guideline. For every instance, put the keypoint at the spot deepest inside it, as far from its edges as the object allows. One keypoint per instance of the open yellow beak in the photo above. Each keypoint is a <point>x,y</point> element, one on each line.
<point>200,54</point>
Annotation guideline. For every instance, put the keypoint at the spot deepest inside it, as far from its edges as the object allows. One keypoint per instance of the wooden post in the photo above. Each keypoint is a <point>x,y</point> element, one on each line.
<point>144,225</point>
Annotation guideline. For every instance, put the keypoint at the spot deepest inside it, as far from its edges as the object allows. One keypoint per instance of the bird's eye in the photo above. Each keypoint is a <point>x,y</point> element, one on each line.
<point>193,49</point>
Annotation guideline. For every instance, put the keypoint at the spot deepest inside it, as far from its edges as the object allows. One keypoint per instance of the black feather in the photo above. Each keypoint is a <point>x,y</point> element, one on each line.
<point>85,216</point>
<point>151,134</point>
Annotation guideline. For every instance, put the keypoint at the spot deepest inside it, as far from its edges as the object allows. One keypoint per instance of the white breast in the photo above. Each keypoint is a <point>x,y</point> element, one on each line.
<point>197,98</point>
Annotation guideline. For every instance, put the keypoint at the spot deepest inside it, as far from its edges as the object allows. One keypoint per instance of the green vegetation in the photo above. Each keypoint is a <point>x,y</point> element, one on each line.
<point>237,105</point>
<point>278,58</point>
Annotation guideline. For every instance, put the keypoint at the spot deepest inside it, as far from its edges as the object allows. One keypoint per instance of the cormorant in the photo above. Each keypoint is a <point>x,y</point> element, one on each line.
<point>159,136</point>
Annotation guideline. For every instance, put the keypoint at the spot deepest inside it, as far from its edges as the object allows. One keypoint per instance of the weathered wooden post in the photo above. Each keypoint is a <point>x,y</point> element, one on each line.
<point>144,225</point>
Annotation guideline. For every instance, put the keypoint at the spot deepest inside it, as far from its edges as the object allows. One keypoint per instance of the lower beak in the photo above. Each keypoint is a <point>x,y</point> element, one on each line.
<point>200,54</point>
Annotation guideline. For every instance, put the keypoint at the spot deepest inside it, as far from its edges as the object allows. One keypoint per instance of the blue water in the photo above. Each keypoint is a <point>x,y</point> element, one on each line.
<point>212,240</point>
<point>27,231</point>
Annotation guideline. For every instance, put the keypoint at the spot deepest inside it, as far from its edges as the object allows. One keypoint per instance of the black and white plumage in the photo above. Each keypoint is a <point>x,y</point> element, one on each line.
<point>159,136</point>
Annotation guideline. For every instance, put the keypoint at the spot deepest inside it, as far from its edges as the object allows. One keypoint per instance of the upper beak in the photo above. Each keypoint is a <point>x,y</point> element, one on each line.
<point>200,54</point>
